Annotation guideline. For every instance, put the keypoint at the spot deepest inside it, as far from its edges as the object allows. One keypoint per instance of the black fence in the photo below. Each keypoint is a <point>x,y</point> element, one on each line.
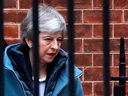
<point>106,69</point>
<point>70,47</point>
<point>1,50</point>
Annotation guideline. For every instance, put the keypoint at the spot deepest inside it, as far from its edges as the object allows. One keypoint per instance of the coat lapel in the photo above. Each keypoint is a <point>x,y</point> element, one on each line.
<point>63,80</point>
<point>61,83</point>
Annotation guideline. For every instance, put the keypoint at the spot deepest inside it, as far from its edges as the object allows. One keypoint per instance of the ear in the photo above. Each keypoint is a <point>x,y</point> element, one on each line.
<point>29,42</point>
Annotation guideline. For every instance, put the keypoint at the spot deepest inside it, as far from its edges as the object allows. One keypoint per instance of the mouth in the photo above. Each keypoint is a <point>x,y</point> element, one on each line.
<point>51,54</point>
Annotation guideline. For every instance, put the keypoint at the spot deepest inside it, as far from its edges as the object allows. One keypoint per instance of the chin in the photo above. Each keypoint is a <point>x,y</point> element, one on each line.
<point>49,61</point>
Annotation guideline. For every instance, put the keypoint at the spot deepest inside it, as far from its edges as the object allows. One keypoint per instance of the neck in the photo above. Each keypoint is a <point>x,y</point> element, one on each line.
<point>42,66</point>
<point>42,70</point>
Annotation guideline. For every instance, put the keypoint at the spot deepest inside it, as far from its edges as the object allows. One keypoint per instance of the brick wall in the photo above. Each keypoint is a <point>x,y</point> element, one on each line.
<point>88,36</point>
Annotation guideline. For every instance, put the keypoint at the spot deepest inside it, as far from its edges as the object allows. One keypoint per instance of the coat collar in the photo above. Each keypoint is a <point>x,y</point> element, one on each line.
<point>7,61</point>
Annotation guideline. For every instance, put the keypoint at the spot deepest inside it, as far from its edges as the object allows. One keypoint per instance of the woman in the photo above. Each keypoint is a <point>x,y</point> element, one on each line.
<point>53,61</point>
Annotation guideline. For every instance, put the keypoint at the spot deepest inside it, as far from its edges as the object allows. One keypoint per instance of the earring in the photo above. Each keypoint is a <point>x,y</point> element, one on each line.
<point>30,47</point>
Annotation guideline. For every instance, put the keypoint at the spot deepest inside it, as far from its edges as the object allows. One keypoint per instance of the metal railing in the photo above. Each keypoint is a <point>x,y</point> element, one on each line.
<point>1,50</point>
<point>106,69</point>
<point>36,48</point>
<point>119,90</point>
<point>70,47</point>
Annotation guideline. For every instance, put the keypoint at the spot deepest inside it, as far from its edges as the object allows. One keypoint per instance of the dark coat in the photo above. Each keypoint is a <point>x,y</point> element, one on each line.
<point>18,74</point>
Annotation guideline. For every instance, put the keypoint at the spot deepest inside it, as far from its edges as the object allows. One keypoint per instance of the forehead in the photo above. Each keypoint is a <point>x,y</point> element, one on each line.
<point>57,34</point>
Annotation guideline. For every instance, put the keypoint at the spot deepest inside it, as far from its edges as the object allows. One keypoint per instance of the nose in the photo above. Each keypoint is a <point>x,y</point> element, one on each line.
<point>54,44</point>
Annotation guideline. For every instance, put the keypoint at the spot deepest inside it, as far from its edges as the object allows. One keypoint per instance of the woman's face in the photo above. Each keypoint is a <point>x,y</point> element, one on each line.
<point>49,45</point>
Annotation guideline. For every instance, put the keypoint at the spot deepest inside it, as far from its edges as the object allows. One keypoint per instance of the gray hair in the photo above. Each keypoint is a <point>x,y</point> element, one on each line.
<point>50,21</point>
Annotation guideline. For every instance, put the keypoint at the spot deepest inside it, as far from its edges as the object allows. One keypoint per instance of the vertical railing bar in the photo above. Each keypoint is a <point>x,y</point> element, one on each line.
<point>106,47</point>
<point>122,64</point>
<point>71,47</point>
<point>36,48</point>
<point>1,50</point>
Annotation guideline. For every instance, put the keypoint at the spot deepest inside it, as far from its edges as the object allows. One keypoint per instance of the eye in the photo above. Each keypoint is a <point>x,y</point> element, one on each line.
<point>59,39</point>
<point>48,39</point>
